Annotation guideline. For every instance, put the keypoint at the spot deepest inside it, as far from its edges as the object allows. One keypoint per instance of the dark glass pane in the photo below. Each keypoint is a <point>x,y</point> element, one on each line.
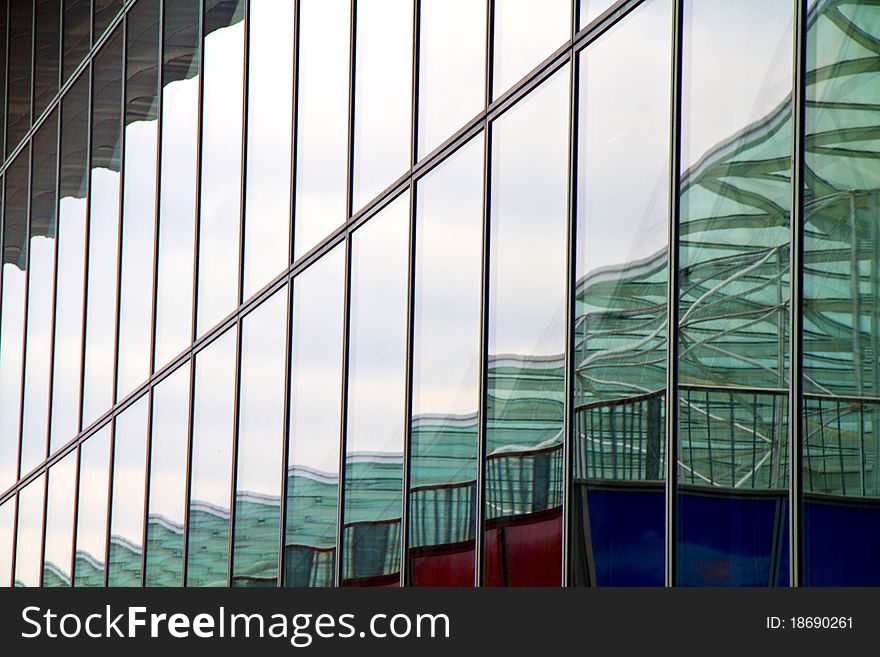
<point>70,279</point>
<point>7,528</point>
<point>376,391</point>
<point>177,202</point>
<point>41,288</point>
<point>841,375</point>
<point>47,53</point>
<point>29,542</point>
<point>619,327</point>
<point>733,294</point>
<point>269,136</point>
<point>321,120</point>
<point>167,503</point>
<point>124,564</point>
<point>138,196</point>
<point>383,96</point>
<point>14,278</point>
<point>523,471</point>
<point>315,405</point>
<point>61,500</point>
<point>452,75</point>
<point>213,425</point>
<point>105,12</point>
<point>526,33</point>
<point>4,36</point>
<point>260,435</point>
<point>446,371</point>
<point>103,258</point>
<point>19,79</point>
<point>91,518</point>
<point>220,222</point>
<point>77,28</point>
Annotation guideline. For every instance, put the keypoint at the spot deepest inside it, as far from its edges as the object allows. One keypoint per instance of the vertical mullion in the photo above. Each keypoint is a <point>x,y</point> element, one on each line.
<point>25,313</point>
<point>75,501</point>
<point>796,291</point>
<point>570,305</point>
<point>672,438</point>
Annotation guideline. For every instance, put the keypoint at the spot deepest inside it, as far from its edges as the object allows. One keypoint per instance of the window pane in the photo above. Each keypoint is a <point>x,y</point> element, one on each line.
<point>452,74</point>
<point>47,53</point>
<point>383,96</point>
<point>105,12</point>
<point>14,276</point>
<point>733,303</point>
<point>315,405</point>
<point>592,9</point>
<point>322,120</point>
<point>59,522</point>
<point>7,518</point>
<point>526,33</point>
<point>376,391</point>
<point>77,28</point>
<point>446,371</point>
<point>67,359</point>
<point>260,432</point>
<point>269,136</point>
<point>139,196</point>
<point>177,202</point>
<point>220,221</point>
<point>29,543</point>
<point>168,455</point>
<point>41,288</point>
<point>620,317</point>
<point>523,532</point>
<point>91,519</point>
<point>127,510</point>
<point>18,79</point>
<point>213,424</point>
<point>103,231</point>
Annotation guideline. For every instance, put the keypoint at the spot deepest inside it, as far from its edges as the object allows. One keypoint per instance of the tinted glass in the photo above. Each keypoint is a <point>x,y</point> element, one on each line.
<point>77,31</point>
<point>105,12</point>
<point>61,500</point>
<point>523,471</point>
<point>91,518</point>
<point>29,541</point>
<point>19,78</point>
<point>47,52</point>
<point>376,388</point>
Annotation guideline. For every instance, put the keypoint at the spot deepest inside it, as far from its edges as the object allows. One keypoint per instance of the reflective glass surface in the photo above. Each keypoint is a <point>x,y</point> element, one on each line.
<point>383,96</point>
<point>260,436</point>
<point>213,426</point>
<point>269,142</point>
<point>19,73</point>
<point>592,9</point>
<point>77,30</point>
<point>315,406</point>
<point>619,441</point>
<point>104,13</point>
<point>376,386</point>
<point>523,469</point>
<point>29,539</point>
<point>7,520</point>
<point>47,52</point>
<point>91,518</point>
<point>733,296</point>
<point>60,506</point>
<point>446,371</point>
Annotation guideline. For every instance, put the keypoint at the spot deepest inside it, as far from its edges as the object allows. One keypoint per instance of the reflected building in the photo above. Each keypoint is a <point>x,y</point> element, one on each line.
<point>280,308</point>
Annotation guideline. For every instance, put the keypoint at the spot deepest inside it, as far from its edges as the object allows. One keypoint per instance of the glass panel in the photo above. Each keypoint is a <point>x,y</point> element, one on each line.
<point>7,518</point>
<point>376,392</point>
<point>269,136</point>
<point>91,518</point>
<point>124,565</point>
<point>103,231</point>
<point>383,96</point>
<point>177,202</point>
<point>315,405</point>
<point>220,221</point>
<point>523,471</point>
<point>592,9</point>
<point>29,543</point>
<point>4,41</point>
<point>138,196</point>
<point>77,28</point>
<point>47,53</point>
<point>105,12</point>
<point>260,432</point>
<point>213,424</point>
<point>452,74</point>
<point>67,358</point>
<point>618,506</point>
<point>446,371</point>
<point>41,286</point>
<point>526,33</point>
<point>733,312</point>
<point>59,522</point>
<point>14,277</point>
<point>841,376</point>
<point>322,120</point>
<point>18,92</point>
<point>168,457</point>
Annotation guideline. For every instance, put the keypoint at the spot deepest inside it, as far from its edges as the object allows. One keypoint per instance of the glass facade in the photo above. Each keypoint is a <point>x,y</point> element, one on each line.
<point>439,293</point>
